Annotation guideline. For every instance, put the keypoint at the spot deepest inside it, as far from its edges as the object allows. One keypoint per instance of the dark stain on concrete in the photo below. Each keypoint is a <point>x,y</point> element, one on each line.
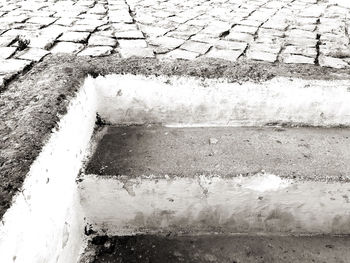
<point>218,248</point>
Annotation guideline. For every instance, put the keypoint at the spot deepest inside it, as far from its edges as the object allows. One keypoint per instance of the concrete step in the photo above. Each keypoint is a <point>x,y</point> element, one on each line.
<point>217,248</point>
<point>316,154</point>
<point>155,179</point>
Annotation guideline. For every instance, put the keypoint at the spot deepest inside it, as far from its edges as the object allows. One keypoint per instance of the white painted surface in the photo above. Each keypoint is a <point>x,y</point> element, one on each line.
<point>183,101</point>
<point>45,222</point>
<point>262,203</point>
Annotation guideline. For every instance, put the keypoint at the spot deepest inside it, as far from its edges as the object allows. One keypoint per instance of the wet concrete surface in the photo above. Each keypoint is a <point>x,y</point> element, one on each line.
<point>300,153</point>
<point>218,248</point>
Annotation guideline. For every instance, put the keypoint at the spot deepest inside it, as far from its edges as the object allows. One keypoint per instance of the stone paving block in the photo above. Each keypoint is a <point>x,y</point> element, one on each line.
<point>42,42</point>
<point>33,54</point>
<point>245,29</point>
<point>309,28</point>
<point>303,42</point>
<point>265,47</point>
<point>305,51</point>
<point>337,51</point>
<point>182,54</point>
<point>226,44</point>
<point>135,34</point>
<point>13,19</point>
<point>97,51</point>
<point>204,38</point>
<point>67,47</point>
<point>249,22</point>
<point>97,40</point>
<point>136,52</point>
<point>104,33</point>
<point>53,31</point>
<point>18,32</point>
<point>69,14</point>
<point>262,56</point>
<point>332,62</point>
<point>138,43</point>
<point>98,9</point>
<point>77,37</point>
<point>243,37</point>
<point>123,27</point>
<point>179,34</point>
<point>215,31</point>
<point>12,66</point>
<point>231,55</point>
<point>120,16</point>
<point>83,28</point>
<point>275,26</point>
<point>45,21</point>
<point>167,42</point>
<point>91,22</point>
<point>296,33</point>
<point>195,46</point>
<point>6,52</point>
<point>298,59</point>
<point>153,31</point>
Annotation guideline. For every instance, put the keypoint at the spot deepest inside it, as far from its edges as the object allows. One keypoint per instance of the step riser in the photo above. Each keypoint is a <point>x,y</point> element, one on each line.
<point>194,102</point>
<point>262,203</point>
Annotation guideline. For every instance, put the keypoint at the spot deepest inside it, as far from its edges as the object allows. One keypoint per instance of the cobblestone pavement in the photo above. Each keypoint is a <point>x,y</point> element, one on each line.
<point>280,31</point>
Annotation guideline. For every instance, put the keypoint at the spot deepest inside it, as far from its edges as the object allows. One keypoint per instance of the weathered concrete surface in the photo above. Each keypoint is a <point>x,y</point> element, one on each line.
<point>262,203</point>
<point>303,153</point>
<point>30,103</point>
<point>183,101</point>
<point>33,100</point>
<point>217,248</point>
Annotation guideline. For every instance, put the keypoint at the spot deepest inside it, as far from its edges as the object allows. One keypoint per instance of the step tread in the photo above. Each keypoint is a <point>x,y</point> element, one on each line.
<point>219,248</point>
<point>312,153</point>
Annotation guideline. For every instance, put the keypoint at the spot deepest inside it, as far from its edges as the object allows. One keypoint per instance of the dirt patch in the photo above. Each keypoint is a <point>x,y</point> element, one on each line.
<point>30,105</point>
